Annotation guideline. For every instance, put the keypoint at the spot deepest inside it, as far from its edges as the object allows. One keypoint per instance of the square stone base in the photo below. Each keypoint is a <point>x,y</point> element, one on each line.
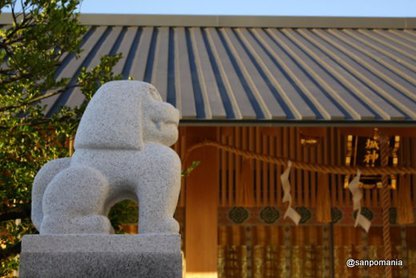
<point>149,255</point>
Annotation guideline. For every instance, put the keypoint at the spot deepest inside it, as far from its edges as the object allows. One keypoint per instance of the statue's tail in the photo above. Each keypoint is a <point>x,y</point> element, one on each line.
<point>42,179</point>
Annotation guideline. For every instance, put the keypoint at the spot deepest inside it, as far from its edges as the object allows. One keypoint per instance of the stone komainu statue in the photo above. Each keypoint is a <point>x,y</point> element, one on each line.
<point>121,152</point>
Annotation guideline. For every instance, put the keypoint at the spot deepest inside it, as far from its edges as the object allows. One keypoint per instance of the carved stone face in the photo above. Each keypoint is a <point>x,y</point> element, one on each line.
<point>126,115</point>
<point>160,120</point>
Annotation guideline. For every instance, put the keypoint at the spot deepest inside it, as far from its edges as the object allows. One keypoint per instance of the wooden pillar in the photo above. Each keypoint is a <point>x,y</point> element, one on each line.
<point>202,189</point>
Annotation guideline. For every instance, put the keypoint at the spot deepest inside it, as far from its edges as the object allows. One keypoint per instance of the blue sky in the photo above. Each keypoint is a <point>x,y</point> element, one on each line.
<point>389,8</point>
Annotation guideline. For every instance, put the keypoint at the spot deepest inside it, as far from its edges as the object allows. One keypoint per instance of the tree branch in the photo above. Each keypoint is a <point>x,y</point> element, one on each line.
<point>14,79</point>
<point>36,123</point>
<point>14,13</point>
<point>5,108</point>
<point>25,23</point>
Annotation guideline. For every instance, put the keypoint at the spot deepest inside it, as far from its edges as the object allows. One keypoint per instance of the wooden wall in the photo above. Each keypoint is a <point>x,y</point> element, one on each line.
<point>285,142</point>
<point>225,174</point>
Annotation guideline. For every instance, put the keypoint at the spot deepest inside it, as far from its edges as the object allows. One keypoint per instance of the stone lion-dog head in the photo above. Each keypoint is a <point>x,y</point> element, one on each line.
<point>127,115</point>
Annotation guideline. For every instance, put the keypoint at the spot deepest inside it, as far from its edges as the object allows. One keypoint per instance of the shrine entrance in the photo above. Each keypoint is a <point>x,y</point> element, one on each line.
<point>233,204</point>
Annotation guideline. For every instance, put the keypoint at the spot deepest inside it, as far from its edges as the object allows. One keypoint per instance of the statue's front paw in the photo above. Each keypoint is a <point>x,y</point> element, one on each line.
<point>93,224</point>
<point>90,224</point>
<point>171,225</point>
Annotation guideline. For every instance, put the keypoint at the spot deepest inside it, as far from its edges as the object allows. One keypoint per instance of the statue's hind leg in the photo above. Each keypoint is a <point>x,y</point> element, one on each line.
<point>73,203</point>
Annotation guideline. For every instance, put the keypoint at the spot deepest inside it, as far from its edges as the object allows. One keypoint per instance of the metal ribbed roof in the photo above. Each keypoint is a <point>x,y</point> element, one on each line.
<point>262,74</point>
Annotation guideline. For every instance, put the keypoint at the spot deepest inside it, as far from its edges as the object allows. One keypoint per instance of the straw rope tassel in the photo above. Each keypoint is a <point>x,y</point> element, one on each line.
<point>287,197</point>
<point>357,195</point>
<point>385,203</point>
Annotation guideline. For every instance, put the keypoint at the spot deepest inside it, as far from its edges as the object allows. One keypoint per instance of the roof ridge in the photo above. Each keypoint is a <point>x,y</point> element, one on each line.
<point>241,21</point>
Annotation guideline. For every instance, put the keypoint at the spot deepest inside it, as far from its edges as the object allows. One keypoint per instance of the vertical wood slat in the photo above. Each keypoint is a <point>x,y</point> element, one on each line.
<point>345,195</point>
<point>285,149</point>
<point>230,171</point>
<point>413,163</point>
<point>293,178</point>
<point>371,195</point>
<point>244,137</point>
<point>272,168</point>
<point>374,198</point>
<point>182,142</point>
<point>337,135</point>
<point>375,194</point>
<point>409,162</point>
<point>298,157</point>
<point>367,197</point>
<point>326,142</point>
<point>274,235</point>
<point>218,139</point>
<point>304,176</point>
<point>251,146</point>
<point>241,169</point>
<point>408,143</point>
<point>408,155</point>
<point>322,159</point>
<point>330,142</point>
<point>258,168</point>
<point>394,195</point>
<point>313,180</point>
<point>402,161</point>
<point>265,166</point>
<point>237,158</point>
<point>279,148</point>
<point>224,170</point>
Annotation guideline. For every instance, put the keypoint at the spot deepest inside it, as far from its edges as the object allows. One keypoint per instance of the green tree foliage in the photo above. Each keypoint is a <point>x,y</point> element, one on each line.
<point>32,48</point>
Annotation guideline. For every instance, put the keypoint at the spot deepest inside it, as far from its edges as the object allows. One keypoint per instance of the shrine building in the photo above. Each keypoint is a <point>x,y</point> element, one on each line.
<point>278,117</point>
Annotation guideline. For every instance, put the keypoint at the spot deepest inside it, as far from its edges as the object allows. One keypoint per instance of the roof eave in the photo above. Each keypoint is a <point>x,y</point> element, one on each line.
<point>241,21</point>
<point>248,21</point>
<point>299,123</point>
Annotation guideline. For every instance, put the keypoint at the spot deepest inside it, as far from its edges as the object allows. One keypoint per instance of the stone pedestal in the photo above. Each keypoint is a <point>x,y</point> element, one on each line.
<point>147,255</point>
